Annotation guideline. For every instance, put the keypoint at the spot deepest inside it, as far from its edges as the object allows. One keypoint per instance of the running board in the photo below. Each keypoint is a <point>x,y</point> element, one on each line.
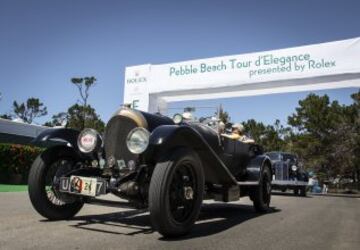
<point>248,183</point>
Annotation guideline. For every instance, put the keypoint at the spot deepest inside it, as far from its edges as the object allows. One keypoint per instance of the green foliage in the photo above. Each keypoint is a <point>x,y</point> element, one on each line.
<point>317,121</point>
<point>84,116</point>
<point>16,159</point>
<point>80,115</point>
<point>271,137</point>
<point>316,115</point>
<point>223,115</point>
<point>76,119</point>
<point>30,110</point>
<point>5,116</point>
<point>327,137</point>
<point>59,119</point>
<point>84,85</point>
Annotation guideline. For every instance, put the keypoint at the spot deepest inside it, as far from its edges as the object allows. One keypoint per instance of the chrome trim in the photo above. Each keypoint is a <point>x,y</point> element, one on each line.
<point>134,115</point>
<point>294,183</point>
<point>248,183</point>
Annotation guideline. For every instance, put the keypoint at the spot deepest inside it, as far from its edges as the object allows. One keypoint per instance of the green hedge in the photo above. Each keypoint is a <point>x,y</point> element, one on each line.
<point>15,162</point>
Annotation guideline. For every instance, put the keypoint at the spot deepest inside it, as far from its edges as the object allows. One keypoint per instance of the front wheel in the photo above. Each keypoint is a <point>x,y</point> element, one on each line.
<point>261,195</point>
<point>44,184</point>
<point>303,191</point>
<point>176,193</point>
<point>296,191</point>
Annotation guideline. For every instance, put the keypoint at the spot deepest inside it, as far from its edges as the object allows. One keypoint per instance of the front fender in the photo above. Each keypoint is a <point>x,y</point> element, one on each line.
<point>166,138</point>
<point>255,166</point>
<point>65,134</point>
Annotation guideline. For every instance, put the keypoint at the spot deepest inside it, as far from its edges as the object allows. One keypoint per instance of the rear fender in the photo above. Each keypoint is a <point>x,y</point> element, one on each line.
<point>164,139</point>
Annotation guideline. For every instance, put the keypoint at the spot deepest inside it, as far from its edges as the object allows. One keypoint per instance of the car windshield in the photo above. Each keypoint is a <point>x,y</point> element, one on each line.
<point>289,157</point>
<point>274,156</point>
<point>196,114</point>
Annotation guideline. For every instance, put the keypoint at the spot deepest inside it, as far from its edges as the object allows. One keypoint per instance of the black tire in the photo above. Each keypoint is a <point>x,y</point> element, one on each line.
<point>261,195</point>
<point>283,190</point>
<point>182,167</point>
<point>303,191</point>
<point>296,191</point>
<point>50,203</point>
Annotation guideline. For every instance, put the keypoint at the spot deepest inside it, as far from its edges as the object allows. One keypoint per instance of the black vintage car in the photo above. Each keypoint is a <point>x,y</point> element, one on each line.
<point>288,173</point>
<point>166,165</point>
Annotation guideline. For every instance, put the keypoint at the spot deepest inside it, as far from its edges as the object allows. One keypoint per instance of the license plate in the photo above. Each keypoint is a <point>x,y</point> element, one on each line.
<point>82,185</point>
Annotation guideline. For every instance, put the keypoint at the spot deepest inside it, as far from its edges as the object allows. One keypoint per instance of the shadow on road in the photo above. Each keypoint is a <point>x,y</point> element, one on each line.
<point>290,195</point>
<point>213,218</point>
<point>133,221</point>
<point>218,217</point>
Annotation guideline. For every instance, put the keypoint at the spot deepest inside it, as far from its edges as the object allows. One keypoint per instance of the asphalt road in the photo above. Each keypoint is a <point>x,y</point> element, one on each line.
<point>294,223</point>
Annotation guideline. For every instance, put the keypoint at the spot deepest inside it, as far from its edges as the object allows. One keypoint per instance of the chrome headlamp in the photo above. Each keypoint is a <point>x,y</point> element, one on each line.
<point>138,140</point>
<point>178,118</point>
<point>294,168</point>
<point>88,140</point>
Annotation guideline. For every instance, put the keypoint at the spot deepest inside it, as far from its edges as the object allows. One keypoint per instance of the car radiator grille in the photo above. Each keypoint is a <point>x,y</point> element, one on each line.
<point>116,133</point>
<point>281,172</point>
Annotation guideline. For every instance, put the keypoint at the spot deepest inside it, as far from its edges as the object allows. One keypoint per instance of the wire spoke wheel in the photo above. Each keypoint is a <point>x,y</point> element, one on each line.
<point>44,184</point>
<point>181,193</point>
<point>176,192</point>
<point>52,181</point>
<point>266,190</point>
<point>261,195</point>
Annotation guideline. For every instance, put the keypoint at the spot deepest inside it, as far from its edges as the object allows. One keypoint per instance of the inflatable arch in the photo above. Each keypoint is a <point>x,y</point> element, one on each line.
<point>313,67</point>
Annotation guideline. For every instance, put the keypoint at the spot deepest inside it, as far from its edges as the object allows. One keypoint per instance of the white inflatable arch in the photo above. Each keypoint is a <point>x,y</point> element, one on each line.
<point>314,67</point>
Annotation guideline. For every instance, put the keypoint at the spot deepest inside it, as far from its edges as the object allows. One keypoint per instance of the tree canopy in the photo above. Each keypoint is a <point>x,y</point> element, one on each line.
<point>223,115</point>
<point>29,110</point>
<point>80,115</point>
<point>77,120</point>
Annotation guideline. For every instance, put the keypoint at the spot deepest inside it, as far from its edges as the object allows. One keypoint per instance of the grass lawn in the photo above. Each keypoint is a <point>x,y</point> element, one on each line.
<point>12,188</point>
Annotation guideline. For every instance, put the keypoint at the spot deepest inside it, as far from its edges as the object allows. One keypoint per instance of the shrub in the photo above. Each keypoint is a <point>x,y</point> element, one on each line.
<point>16,160</point>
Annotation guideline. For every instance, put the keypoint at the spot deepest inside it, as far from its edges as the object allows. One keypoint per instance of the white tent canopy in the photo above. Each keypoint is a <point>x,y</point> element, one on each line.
<point>313,67</point>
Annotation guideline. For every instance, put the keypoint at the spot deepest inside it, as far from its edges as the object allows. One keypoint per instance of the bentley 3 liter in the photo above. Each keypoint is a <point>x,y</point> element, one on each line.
<point>166,165</point>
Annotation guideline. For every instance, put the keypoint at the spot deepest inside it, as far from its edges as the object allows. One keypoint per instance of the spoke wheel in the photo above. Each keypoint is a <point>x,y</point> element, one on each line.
<point>266,190</point>
<point>181,193</point>
<point>176,192</point>
<point>261,195</point>
<point>52,181</point>
<point>44,182</point>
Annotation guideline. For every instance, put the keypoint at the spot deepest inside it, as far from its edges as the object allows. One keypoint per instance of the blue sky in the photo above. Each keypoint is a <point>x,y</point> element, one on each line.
<point>44,43</point>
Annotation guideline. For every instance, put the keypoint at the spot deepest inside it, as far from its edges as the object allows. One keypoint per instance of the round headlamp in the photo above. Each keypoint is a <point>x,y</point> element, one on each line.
<point>294,168</point>
<point>138,140</point>
<point>88,140</point>
<point>177,118</point>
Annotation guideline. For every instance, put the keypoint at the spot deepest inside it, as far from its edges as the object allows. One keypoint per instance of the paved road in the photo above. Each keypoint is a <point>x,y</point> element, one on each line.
<point>294,223</point>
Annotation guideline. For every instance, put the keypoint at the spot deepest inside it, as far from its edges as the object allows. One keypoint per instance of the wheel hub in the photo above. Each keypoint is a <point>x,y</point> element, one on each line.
<point>188,193</point>
<point>268,188</point>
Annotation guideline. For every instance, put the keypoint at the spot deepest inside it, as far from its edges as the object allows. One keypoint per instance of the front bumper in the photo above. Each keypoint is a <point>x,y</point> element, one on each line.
<point>288,183</point>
